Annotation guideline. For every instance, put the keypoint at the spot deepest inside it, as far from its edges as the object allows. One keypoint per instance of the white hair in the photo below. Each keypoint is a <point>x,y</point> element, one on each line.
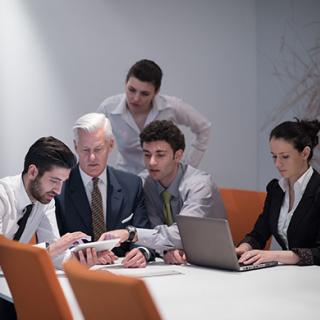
<point>91,122</point>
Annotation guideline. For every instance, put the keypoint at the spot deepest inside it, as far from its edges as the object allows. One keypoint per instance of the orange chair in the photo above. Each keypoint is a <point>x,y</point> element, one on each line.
<point>103,295</point>
<point>243,208</point>
<point>33,283</point>
<point>33,239</point>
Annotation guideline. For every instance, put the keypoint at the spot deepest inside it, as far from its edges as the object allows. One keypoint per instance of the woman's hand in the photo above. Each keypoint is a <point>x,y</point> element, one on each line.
<point>261,256</point>
<point>242,248</point>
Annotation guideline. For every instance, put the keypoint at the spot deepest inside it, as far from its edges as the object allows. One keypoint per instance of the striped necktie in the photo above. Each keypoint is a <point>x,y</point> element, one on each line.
<point>98,224</point>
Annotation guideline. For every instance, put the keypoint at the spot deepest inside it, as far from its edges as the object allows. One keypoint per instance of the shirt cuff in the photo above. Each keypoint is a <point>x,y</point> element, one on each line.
<point>42,245</point>
<point>145,252</point>
<point>144,235</point>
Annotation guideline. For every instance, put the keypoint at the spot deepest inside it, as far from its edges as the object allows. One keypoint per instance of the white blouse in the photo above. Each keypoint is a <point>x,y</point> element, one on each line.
<point>126,131</point>
<point>285,215</point>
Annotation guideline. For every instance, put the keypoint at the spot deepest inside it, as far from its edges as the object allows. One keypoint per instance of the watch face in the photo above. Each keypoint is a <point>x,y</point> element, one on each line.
<point>132,232</point>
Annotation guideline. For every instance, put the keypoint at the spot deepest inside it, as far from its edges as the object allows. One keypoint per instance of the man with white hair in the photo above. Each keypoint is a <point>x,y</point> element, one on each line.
<point>97,197</point>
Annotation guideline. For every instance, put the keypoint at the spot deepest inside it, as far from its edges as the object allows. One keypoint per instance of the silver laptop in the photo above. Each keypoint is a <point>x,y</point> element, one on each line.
<point>208,242</point>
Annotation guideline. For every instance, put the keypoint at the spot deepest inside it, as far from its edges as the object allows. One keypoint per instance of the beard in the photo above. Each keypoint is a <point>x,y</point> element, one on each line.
<point>37,192</point>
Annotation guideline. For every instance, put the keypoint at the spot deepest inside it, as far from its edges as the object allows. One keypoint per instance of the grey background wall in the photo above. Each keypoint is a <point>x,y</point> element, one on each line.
<point>59,59</point>
<point>288,70</point>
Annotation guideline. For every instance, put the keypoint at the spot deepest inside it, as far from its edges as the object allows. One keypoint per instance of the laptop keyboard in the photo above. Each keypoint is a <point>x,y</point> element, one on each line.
<point>257,266</point>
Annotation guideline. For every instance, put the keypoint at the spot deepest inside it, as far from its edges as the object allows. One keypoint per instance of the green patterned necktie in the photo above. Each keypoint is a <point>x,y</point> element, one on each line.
<point>98,224</point>
<point>166,196</point>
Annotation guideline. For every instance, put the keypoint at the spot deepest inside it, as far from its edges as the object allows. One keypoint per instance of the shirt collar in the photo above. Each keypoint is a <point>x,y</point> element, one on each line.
<point>300,184</point>
<point>173,189</point>
<point>22,197</point>
<point>121,107</point>
<point>158,103</point>
<point>87,180</point>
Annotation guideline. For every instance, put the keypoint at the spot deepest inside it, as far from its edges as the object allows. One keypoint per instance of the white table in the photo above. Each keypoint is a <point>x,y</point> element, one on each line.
<point>282,292</point>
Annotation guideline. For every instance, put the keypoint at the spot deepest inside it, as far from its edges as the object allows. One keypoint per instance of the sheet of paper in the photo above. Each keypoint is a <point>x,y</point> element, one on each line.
<point>145,273</point>
<point>155,269</point>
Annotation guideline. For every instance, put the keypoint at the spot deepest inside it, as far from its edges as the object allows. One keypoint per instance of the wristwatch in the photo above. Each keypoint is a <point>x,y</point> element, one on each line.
<point>132,233</point>
<point>47,245</point>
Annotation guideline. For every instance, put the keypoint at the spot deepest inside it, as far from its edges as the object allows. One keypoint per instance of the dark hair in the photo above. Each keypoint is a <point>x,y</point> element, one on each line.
<point>163,130</point>
<point>146,71</point>
<point>48,152</point>
<point>300,133</point>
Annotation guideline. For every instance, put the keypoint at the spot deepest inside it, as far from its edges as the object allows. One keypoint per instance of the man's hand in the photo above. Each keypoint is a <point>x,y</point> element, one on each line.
<point>90,257</point>
<point>134,259</point>
<point>106,257</point>
<point>65,242</point>
<point>175,257</point>
<point>123,234</point>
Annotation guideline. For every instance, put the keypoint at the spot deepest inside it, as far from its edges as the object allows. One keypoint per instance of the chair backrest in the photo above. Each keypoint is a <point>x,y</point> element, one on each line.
<point>243,208</point>
<point>103,295</point>
<point>33,239</point>
<point>32,280</point>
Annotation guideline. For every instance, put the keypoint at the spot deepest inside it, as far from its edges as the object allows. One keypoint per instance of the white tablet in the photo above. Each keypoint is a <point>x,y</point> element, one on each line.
<point>98,245</point>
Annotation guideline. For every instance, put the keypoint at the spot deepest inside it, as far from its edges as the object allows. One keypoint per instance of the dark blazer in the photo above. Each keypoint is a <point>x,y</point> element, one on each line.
<point>124,197</point>
<point>304,228</point>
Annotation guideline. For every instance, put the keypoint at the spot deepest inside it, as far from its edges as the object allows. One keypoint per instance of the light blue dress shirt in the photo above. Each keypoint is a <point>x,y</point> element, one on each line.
<point>193,194</point>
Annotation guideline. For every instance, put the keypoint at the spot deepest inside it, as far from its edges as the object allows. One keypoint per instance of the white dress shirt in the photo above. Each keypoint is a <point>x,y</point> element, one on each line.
<point>126,131</point>
<point>42,220</point>
<point>88,186</point>
<point>285,215</point>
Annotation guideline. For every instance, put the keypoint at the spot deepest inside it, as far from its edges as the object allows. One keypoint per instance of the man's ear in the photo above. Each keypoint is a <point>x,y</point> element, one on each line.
<point>32,172</point>
<point>111,143</point>
<point>178,155</point>
<point>75,145</point>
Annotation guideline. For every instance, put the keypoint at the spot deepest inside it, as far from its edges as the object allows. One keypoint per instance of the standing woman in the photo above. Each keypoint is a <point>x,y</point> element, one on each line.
<point>141,104</point>
<point>292,208</point>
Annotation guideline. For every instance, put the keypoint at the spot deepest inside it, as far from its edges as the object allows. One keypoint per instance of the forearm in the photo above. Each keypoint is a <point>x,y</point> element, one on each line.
<point>244,247</point>
<point>51,248</point>
<point>194,157</point>
<point>2,212</point>
<point>53,251</point>
<point>160,238</point>
<point>286,257</point>
<point>198,147</point>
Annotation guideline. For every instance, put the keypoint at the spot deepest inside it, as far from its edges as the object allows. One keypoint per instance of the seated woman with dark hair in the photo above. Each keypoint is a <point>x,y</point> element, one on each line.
<point>292,208</point>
